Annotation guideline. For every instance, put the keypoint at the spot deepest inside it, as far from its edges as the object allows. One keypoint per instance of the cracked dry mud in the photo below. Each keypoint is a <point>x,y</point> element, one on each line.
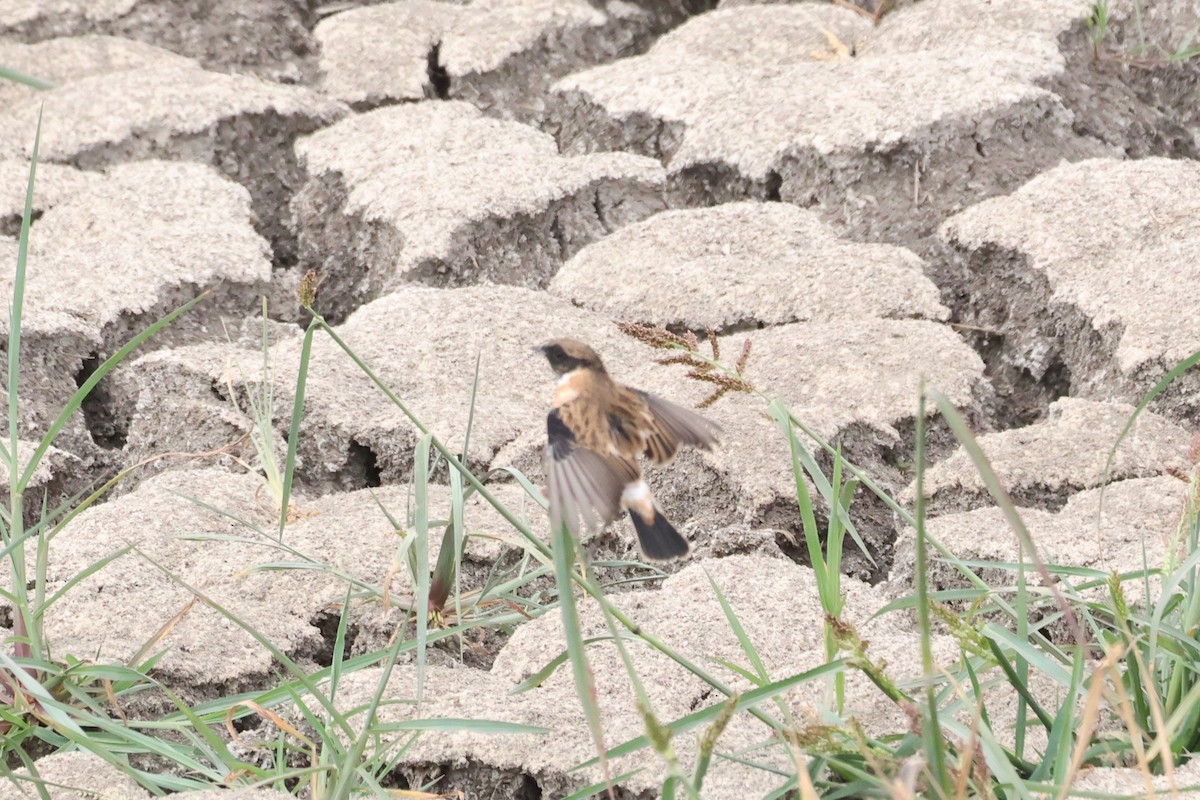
<point>967,193</point>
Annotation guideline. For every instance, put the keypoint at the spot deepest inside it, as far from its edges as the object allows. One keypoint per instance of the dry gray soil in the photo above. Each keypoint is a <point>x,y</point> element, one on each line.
<point>975,194</point>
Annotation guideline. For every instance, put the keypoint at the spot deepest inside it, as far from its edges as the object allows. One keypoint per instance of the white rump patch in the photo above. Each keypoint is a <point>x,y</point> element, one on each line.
<point>635,494</point>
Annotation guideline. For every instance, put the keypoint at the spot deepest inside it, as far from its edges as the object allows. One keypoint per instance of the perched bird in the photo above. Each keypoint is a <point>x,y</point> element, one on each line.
<point>595,432</point>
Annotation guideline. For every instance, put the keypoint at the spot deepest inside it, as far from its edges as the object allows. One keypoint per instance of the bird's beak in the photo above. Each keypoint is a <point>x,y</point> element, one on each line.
<point>540,349</point>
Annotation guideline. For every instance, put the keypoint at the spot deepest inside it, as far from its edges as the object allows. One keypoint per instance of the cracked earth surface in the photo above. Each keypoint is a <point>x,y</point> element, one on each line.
<point>966,193</point>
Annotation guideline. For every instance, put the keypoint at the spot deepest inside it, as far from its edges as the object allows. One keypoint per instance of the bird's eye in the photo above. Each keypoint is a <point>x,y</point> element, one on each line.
<point>555,354</point>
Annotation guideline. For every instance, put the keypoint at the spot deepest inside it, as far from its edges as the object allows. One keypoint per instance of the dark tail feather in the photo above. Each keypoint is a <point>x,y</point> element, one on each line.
<point>658,538</point>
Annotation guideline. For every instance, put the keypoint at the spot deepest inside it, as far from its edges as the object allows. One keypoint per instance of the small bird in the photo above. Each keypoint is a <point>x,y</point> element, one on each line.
<point>595,431</point>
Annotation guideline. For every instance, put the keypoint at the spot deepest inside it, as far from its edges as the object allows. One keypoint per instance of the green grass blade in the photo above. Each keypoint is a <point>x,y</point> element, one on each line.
<point>215,710</point>
<point>421,552</point>
<point>1022,665</point>
<point>532,490</point>
<point>789,424</point>
<point>1010,673</point>
<point>1180,725</point>
<point>80,576</point>
<point>538,678</point>
<point>746,701</point>
<point>339,648</point>
<point>66,511</point>
<point>8,73</point>
<point>471,411</point>
<point>28,641</point>
<point>343,789</point>
<point>1066,737</point>
<point>289,467</point>
<point>708,741</point>
<point>735,625</point>
<point>564,562</point>
<point>1172,375</point>
<point>298,674</point>
<point>1006,777</point>
<point>85,672</point>
<point>220,751</point>
<point>931,731</point>
<point>803,500</point>
<point>106,367</point>
<point>843,494</point>
<point>16,316</point>
<point>51,709</point>
<point>35,778</point>
<point>458,503</point>
<point>484,726</point>
<point>1173,590</point>
<point>598,789</point>
<point>996,489</point>
<point>112,739</point>
<point>445,572</point>
<point>458,510</point>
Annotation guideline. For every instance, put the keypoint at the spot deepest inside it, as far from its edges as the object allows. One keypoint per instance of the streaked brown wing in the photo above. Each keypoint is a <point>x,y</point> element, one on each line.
<point>668,426</point>
<point>582,484</point>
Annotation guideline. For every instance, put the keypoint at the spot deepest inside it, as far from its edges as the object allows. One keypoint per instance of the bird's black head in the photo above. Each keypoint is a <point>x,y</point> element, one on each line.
<point>568,355</point>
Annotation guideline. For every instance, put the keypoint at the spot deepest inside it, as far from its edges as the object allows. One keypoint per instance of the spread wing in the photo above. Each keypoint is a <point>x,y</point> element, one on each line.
<point>581,483</point>
<point>667,426</point>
